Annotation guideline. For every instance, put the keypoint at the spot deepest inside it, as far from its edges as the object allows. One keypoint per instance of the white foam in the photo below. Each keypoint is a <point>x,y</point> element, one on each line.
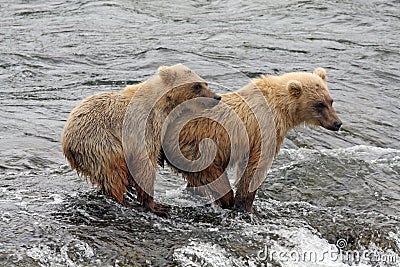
<point>202,254</point>
<point>51,257</point>
<point>43,254</point>
<point>367,153</point>
<point>295,247</point>
<point>6,216</point>
<point>57,199</point>
<point>396,238</point>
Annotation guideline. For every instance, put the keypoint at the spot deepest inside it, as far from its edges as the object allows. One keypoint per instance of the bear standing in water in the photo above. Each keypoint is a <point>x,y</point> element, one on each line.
<point>259,115</point>
<point>292,99</point>
<point>92,136</point>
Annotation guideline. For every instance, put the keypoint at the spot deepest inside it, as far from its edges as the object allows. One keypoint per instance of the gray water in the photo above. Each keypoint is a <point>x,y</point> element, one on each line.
<point>323,187</point>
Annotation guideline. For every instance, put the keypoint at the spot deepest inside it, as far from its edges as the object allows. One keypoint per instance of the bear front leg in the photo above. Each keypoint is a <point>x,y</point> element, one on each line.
<point>244,197</point>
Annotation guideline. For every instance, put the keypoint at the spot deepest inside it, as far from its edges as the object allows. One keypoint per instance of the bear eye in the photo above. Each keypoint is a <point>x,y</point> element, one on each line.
<point>320,105</point>
<point>197,88</point>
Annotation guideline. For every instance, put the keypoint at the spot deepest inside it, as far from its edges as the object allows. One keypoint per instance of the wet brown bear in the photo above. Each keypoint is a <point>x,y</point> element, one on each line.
<point>293,99</point>
<point>92,136</point>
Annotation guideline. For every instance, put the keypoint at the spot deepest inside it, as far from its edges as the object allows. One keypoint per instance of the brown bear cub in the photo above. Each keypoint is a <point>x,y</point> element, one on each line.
<point>293,99</point>
<point>92,137</point>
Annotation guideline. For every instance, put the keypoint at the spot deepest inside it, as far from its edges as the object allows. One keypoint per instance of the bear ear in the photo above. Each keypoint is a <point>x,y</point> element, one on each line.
<point>321,73</point>
<point>167,74</point>
<point>294,88</point>
<point>163,71</point>
<point>162,68</point>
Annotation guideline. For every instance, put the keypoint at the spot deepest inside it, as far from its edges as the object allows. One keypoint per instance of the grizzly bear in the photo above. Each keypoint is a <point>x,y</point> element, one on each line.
<point>92,136</point>
<point>242,118</point>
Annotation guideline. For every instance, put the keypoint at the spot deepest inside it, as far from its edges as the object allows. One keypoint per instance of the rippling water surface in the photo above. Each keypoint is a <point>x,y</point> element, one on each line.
<point>323,188</point>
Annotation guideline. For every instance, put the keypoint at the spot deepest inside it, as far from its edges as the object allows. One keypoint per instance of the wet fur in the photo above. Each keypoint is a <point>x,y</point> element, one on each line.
<point>92,135</point>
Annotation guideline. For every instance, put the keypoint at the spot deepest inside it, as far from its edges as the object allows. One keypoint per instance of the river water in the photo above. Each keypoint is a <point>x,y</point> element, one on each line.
<point>326,191</point>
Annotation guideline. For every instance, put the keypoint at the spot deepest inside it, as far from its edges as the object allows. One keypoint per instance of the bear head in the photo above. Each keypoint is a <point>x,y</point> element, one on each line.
<point>184,84</point>
<point>312,99</point>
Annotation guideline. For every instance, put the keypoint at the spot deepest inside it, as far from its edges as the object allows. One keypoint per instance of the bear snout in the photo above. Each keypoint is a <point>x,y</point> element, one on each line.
<point>211,95</point>
<point>208,93</point>
<point>337,124</point>
<point>212,101</point>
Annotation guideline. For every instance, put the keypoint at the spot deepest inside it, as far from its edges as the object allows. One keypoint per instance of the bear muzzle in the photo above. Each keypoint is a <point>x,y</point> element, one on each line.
<point>335,126</point>
<point>213,99</point>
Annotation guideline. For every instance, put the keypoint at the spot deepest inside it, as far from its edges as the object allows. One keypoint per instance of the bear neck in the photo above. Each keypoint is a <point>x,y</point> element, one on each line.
<point>283,106</point>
